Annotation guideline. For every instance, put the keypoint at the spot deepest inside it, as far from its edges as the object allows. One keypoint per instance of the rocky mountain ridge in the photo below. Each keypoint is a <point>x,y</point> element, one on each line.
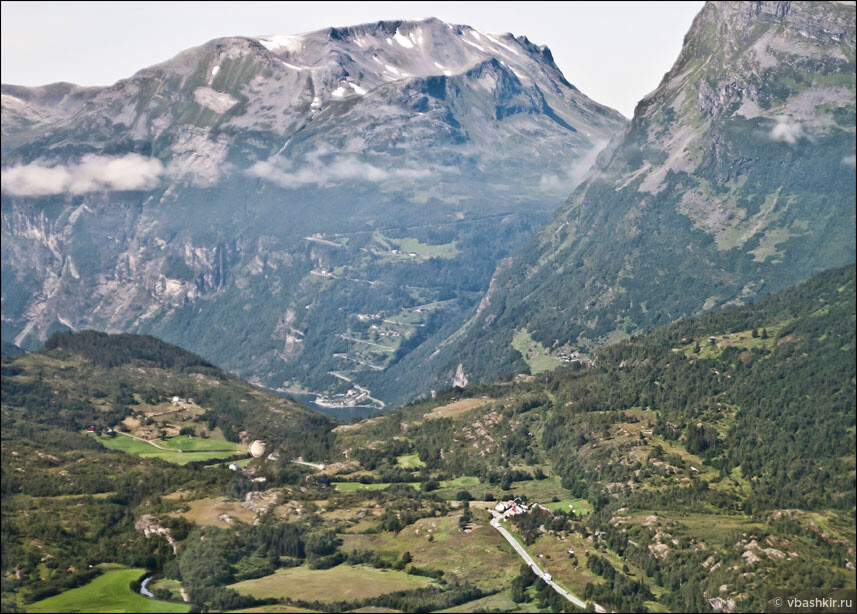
<point>735,178</point>
<point>296,179</point>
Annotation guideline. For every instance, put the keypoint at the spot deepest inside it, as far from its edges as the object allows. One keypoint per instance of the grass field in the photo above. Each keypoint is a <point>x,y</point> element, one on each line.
<point>410,245</point>
<point>535,355</point>
<point>580,506</point>
<point>109,592</point>
<point>455,408</point>
<point>180,450</point>
<point>344,582</point>
<point>410,461</point>
<point>208,511</point>
<point>498,602</point>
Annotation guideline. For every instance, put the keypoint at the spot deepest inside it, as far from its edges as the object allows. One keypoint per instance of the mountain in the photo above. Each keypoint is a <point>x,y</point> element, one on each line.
<point>304,210</point>
<point>735,178</point>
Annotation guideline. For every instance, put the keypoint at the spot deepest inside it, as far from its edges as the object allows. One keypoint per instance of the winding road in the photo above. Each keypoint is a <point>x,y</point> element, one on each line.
<point>495,522</point>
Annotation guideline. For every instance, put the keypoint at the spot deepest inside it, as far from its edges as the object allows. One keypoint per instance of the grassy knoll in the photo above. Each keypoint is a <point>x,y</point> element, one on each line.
<point>179,450</point>
<point>344,582</point>
<point>109,592</point>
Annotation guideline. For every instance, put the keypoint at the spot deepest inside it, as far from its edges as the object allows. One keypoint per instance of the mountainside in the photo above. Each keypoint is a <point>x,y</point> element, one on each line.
<point>716,453</point>
<point>691,469</point>
<point>735,178</point>
<point>145,387</point>
<point>305,210</point>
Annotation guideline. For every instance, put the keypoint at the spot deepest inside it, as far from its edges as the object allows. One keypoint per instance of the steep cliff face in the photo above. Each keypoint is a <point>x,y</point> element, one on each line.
<point>735,178</point>
<point>306,210</point>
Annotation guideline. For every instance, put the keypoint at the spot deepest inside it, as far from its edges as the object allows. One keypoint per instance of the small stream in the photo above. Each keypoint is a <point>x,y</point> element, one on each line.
<point>145,591</point>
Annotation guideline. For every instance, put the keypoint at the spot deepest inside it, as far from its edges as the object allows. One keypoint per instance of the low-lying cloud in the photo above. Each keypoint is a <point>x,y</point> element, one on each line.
<point>576,173</point>
<point>786,131</point>
<point>93,173</point>
<point>316,172</point>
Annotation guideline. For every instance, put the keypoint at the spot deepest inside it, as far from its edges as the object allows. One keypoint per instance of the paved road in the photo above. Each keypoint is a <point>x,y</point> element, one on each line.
<point>495,522</point>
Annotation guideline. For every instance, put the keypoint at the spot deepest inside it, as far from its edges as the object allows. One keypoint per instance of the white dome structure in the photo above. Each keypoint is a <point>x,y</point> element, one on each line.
<point>257,448</point>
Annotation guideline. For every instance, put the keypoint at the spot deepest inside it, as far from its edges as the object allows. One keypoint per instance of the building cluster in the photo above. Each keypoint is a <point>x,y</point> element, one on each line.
<point>98,430</point>
<point>516,507</point>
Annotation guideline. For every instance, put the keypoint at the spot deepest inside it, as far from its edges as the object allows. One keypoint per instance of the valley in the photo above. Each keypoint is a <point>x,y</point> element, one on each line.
<point>619,492</point>
<point>394,318</point>
<point>389,188</point>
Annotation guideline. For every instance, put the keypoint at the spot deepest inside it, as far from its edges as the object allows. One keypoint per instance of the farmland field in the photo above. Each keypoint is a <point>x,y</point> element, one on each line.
<point>179,450</point>
<point>109,592</point>
<point>344,582</point>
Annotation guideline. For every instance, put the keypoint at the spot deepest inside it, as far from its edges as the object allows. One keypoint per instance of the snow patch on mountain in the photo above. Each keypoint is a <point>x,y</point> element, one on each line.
<point>276,42</point>
<point>219,102</point>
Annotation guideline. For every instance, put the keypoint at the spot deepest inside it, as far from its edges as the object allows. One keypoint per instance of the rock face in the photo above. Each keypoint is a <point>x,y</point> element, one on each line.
<point>148,525</point>
<point>734,179</point>
<point>250,198</point>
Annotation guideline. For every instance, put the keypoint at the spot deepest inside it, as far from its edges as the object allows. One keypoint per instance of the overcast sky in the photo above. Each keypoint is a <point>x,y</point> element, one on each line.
<point>615,52</point>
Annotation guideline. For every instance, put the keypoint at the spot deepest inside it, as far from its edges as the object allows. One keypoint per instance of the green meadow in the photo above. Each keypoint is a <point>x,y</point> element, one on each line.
<point>109,592</point>
<point>180,449</point>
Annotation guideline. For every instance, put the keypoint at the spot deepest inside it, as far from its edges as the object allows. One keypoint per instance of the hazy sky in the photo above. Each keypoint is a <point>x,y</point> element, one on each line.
<point>615,52</point>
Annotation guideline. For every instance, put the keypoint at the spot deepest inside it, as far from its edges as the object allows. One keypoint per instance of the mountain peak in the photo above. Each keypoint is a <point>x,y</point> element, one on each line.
<point>734,178</point>
<point>251,159</point>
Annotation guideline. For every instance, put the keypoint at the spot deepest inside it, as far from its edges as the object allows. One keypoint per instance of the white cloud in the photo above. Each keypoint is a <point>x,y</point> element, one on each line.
<point>551,182</point>
<point>576,173</point>
<point>315,171</point>
<point>786,130</point>
<point>92,174</point>
<point>850,161</point>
